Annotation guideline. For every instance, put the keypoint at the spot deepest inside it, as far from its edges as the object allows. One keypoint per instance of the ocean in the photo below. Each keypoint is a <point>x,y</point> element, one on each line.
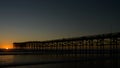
<point>54,61</point>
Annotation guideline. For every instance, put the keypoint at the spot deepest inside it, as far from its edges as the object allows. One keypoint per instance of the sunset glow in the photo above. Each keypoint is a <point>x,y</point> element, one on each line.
<point>6,45</point>
<point>7,48</point>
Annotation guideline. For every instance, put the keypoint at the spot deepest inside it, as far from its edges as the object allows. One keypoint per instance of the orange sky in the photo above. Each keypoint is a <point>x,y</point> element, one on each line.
<point>6,45</point>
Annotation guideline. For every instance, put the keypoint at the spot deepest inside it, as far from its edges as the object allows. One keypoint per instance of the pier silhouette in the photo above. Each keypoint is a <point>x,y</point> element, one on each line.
<point>101,49</point>
<point>94,44</point>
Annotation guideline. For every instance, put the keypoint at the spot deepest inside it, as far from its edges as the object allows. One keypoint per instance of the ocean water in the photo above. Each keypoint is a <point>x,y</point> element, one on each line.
<point>52,61</point>
<point>39,59</point>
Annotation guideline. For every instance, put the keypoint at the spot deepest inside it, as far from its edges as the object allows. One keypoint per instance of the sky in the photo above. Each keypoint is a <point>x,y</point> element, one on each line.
<point>40,20</point>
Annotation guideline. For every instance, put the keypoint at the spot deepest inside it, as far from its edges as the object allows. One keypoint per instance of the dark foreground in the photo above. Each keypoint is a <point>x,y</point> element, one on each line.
<point>59,61</point>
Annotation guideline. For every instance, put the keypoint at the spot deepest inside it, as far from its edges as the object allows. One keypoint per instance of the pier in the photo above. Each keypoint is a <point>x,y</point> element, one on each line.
<point>101,50</point>
<point>94,44</point>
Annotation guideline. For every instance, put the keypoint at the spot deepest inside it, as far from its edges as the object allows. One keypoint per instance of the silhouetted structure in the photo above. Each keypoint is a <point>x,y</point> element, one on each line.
<point>102,50</point>
<point>103,41</point>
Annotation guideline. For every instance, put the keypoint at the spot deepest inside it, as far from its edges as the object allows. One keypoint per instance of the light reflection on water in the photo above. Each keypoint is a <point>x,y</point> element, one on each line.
<point>30,58</point>
<point>6,59</point>
<point>35,58</point>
